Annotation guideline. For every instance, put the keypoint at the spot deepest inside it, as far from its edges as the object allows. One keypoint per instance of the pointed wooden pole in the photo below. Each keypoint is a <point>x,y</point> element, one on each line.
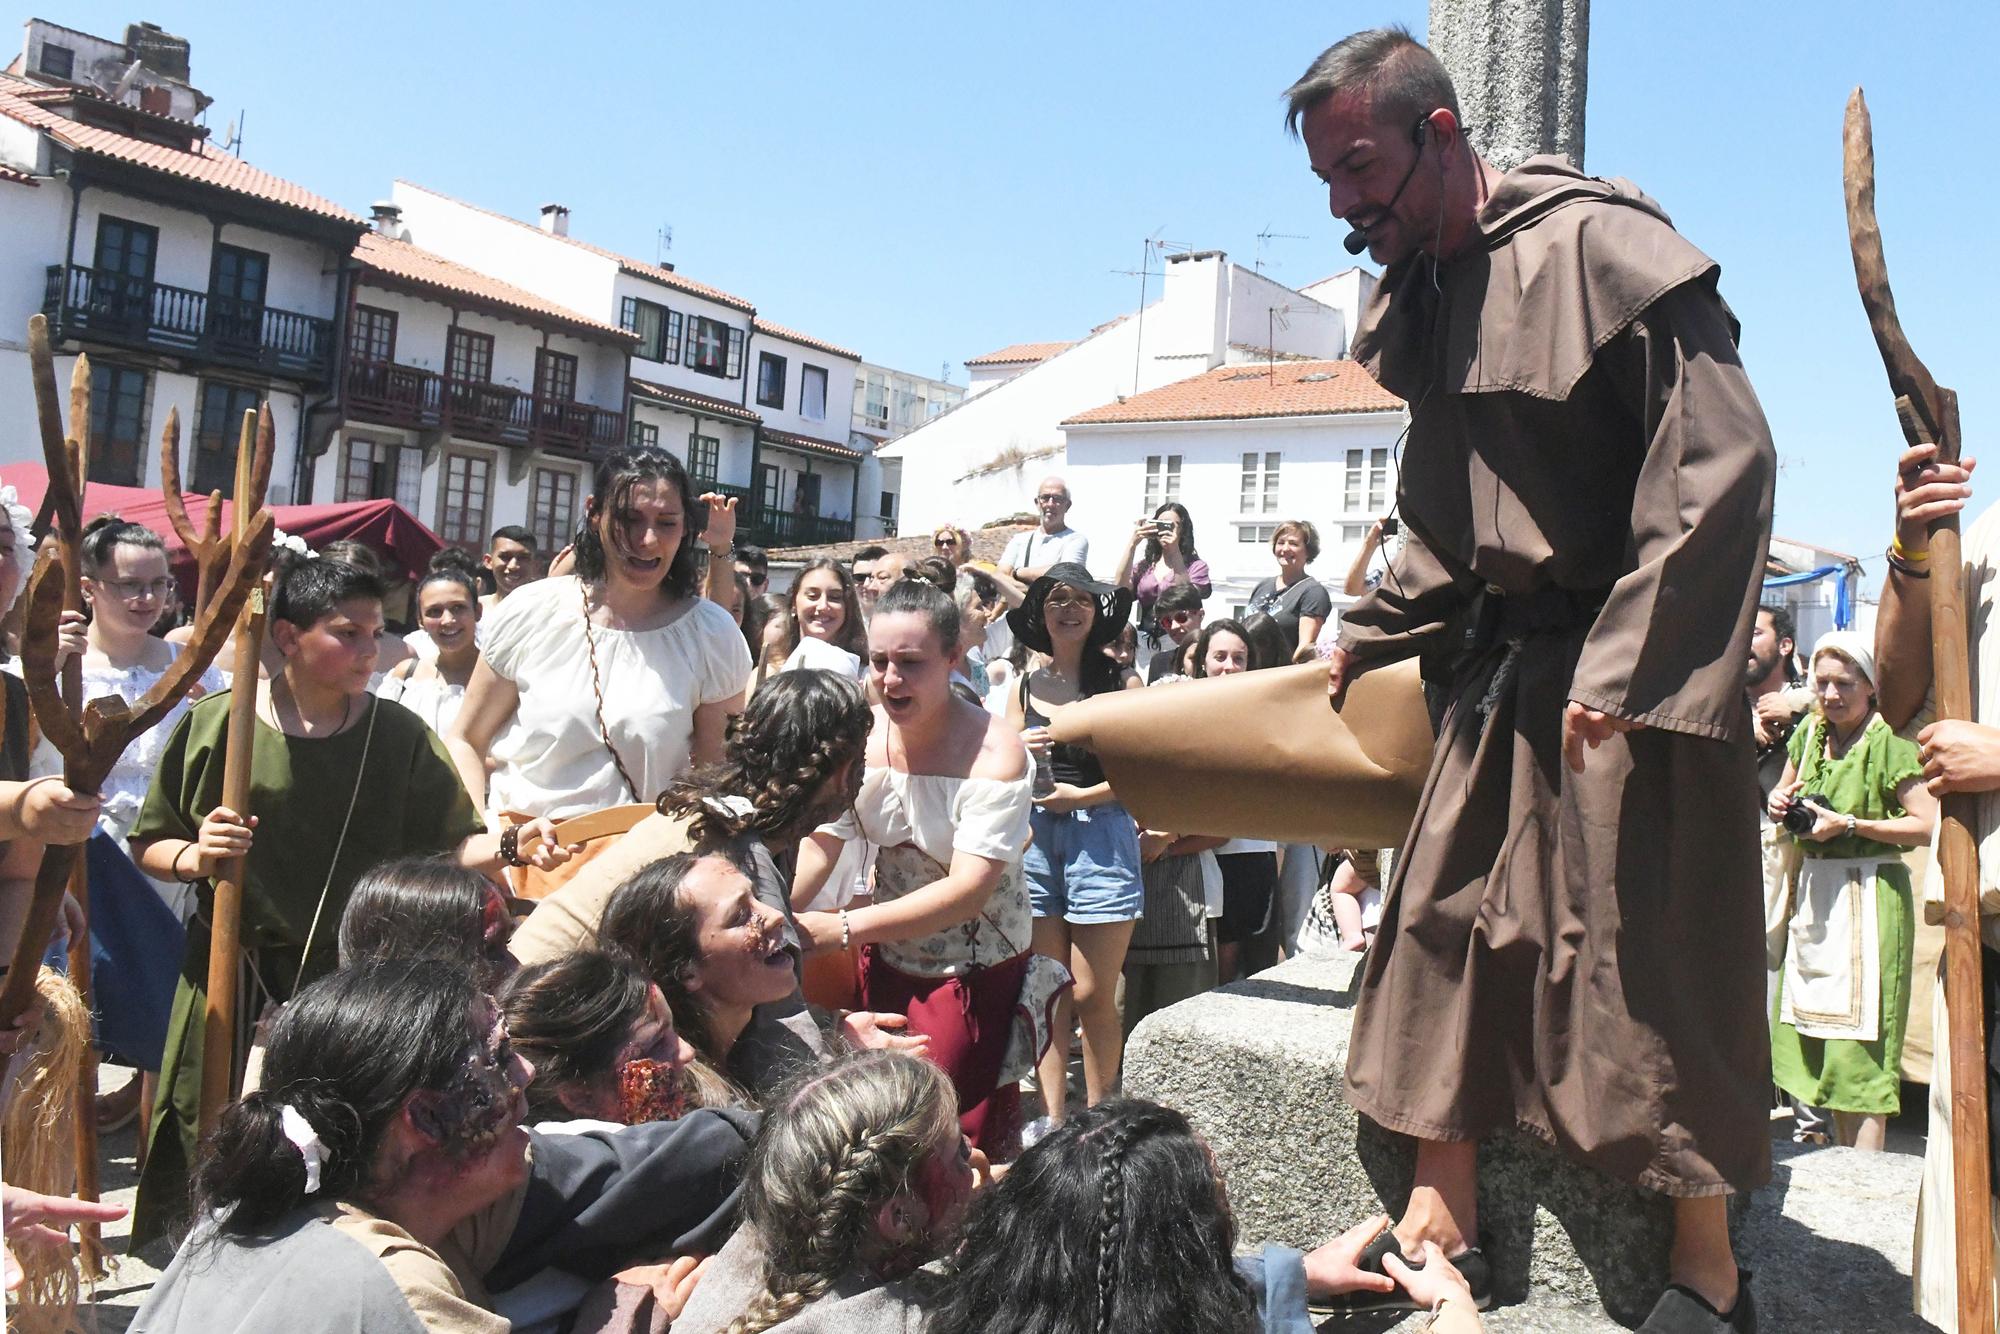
<point>218,1061</point>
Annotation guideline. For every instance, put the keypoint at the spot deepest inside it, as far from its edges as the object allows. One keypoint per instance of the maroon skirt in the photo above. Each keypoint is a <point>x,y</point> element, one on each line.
<point>969,1019</point>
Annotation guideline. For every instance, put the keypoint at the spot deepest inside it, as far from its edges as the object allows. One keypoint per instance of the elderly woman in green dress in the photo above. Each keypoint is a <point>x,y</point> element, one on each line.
<point>1853,796</point>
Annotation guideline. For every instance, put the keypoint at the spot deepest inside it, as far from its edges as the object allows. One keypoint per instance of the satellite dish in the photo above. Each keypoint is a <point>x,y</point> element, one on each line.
<point>125,81</point>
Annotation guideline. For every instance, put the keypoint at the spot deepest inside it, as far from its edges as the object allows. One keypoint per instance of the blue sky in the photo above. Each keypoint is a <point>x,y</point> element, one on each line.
<point>928,182</point>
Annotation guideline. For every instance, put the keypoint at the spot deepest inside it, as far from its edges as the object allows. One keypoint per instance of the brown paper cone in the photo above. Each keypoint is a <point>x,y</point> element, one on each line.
<point>1261,755</point>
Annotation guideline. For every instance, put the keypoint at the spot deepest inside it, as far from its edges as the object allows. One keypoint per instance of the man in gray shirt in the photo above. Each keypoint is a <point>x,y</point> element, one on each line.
<point>1030,554</point>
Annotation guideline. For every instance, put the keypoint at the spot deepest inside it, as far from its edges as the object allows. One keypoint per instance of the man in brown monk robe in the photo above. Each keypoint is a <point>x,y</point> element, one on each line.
<point>1572,942</point>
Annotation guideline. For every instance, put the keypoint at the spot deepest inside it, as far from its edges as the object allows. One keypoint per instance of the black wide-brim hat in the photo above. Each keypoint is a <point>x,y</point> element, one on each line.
<point>1114,608</point>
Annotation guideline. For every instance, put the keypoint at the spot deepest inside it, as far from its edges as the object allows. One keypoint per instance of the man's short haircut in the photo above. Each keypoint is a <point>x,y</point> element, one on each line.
<point>1783,626</point>
<point>513,532</point>
<point>866,554</point>
<point>755,557</point>
<point>1177,596</point>
<point>1396,74</point>
<point>315,589</point>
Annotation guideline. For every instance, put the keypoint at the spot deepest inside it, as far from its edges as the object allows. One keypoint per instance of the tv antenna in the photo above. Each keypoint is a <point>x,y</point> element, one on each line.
<point>663,242</point>
<point>1265,237</point>
<point>1153,245</point>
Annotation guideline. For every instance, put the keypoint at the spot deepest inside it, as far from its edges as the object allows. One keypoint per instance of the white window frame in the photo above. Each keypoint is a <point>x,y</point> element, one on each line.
<point>1367,485</point>
<point>1163,480</point>
<point>809,375</point>
<point>1258,489</point>
<point>491,460</point>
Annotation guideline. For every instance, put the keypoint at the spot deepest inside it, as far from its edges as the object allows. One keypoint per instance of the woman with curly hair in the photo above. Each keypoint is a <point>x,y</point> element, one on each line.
<point>1118,1220</point>
<point>792,760</point>
<point>860,1177</point>
<point>600,688</point>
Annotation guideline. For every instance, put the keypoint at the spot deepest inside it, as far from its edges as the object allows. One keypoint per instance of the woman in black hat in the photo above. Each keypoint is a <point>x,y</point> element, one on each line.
<point>1083,865</point>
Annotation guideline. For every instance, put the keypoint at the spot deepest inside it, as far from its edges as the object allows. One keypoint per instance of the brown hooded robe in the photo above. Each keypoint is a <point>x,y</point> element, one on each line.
<point>1587,494</point>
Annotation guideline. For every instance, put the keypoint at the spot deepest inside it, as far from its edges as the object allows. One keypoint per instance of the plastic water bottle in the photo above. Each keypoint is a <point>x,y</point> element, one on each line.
<point>1045,776</point>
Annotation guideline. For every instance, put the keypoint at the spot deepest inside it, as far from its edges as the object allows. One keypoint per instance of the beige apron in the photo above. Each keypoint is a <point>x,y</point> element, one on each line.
<point>1833,954</point>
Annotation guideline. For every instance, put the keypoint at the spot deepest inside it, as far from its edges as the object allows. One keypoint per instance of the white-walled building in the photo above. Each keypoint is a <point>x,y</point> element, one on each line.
<point>1243,447</point>
<point>753,409</point>
<point>473,403</point>
<point>889,404</point>
<point>982,459</point>
<point>193,280</point>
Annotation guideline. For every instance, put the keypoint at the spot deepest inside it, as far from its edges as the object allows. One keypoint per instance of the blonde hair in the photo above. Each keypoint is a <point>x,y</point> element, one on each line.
<point>834,1149</point>
<point>40,1132</point>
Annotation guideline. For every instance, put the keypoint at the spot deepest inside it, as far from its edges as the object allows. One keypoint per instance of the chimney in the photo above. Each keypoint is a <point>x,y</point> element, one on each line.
<point>388,219</point>
<point>555,219</point>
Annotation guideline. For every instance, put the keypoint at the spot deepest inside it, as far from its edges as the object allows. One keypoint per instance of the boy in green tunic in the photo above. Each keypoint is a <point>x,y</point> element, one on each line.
<point>340,781</point>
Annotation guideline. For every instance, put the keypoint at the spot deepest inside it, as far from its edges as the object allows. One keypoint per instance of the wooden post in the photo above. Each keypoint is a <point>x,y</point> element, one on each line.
<point>70,544</point>
<point>1928,414</point>
<point>218,1061</point>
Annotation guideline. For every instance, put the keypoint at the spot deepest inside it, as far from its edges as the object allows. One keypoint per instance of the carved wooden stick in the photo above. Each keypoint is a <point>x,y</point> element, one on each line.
<point>1929,415</point>
<point>226,912</point>
<point>91,744</point>
<point>208,549</point>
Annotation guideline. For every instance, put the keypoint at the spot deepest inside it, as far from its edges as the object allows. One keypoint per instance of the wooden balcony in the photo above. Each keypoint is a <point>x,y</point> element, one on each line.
<point>785,529</point>
<point>106,307</point>
<point>392,394</point>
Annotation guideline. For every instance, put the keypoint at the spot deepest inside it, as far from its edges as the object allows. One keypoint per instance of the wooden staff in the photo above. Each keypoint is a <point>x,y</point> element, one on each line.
<point>218,1034</point>
<point>209,548</point>
<point>69,547</point>
<point>91,744</point>
<point>1928,413</point>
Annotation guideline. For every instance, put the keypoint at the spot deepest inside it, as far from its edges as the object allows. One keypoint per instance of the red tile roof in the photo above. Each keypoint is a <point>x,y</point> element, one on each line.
<point>17,177</point>
<point>1017,353</point>
<point>637,268</point>
<point>409,264</point>
<point>780,331</point>
<point>201,162</point>
<point>1235,393</point>
<point>806,444</point>
<point>689,400</point>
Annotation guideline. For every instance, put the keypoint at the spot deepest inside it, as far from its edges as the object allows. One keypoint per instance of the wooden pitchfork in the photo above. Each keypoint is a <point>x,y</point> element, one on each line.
<point>1929,415</point>
<point>91,742</point>
<point>209,548</point>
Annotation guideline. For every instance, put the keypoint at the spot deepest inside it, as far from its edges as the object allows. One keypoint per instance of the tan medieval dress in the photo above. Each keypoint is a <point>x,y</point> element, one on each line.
<point>1587,493</point>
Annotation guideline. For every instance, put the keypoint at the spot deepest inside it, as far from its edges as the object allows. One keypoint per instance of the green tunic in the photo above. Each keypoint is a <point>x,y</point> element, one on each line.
<point>1839,1074</point>
<point>409,802</point>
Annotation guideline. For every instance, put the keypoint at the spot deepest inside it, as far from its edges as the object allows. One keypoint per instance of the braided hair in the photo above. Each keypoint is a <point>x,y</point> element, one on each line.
<point>798,732</point>
<point>1116,1219</point>
<point>835,1147</point>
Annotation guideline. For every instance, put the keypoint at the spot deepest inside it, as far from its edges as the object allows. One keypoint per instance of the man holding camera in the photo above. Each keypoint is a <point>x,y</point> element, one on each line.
<point>1572,941</point>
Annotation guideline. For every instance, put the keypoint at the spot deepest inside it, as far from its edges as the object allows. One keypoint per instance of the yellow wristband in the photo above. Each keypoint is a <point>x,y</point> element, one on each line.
<point>1896,545</point>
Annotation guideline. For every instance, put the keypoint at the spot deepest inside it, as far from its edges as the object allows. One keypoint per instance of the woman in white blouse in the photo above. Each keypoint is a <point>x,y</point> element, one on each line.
<point>433,686</point>
<point>135,920</point>
<point>597,689</point>
<point>945,798</point>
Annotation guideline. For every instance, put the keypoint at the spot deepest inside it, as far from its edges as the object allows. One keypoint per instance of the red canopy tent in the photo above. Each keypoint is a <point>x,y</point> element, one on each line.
<point>390,529</point>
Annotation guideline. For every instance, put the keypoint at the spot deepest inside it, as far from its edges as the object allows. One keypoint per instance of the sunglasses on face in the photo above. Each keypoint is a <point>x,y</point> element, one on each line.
<point>1057,601</point>
<point>944,541</point>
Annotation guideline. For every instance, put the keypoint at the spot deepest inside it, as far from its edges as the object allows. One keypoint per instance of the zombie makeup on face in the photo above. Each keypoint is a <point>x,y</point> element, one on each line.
<point>467,1116</point>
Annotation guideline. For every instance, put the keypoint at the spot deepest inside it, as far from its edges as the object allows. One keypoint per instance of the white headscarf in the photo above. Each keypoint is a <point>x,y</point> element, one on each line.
<point>1852,645</point>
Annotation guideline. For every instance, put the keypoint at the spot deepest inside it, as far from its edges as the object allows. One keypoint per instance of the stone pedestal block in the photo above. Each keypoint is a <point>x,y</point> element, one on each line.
<point>1257,1067</point>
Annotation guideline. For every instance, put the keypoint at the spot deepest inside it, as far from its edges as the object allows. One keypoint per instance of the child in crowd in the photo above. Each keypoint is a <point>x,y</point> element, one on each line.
<point>339,781</point>
<point>1180,612</point>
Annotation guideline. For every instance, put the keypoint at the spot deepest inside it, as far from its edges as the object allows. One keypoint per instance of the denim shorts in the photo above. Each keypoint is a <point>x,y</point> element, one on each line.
<point>1083,866</point>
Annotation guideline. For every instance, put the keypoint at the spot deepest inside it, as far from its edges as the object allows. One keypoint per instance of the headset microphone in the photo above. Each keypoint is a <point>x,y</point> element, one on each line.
<point>1357,239</point>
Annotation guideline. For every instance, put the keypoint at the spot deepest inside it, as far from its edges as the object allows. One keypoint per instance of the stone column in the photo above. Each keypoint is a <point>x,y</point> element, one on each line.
<point>1520,69</point>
